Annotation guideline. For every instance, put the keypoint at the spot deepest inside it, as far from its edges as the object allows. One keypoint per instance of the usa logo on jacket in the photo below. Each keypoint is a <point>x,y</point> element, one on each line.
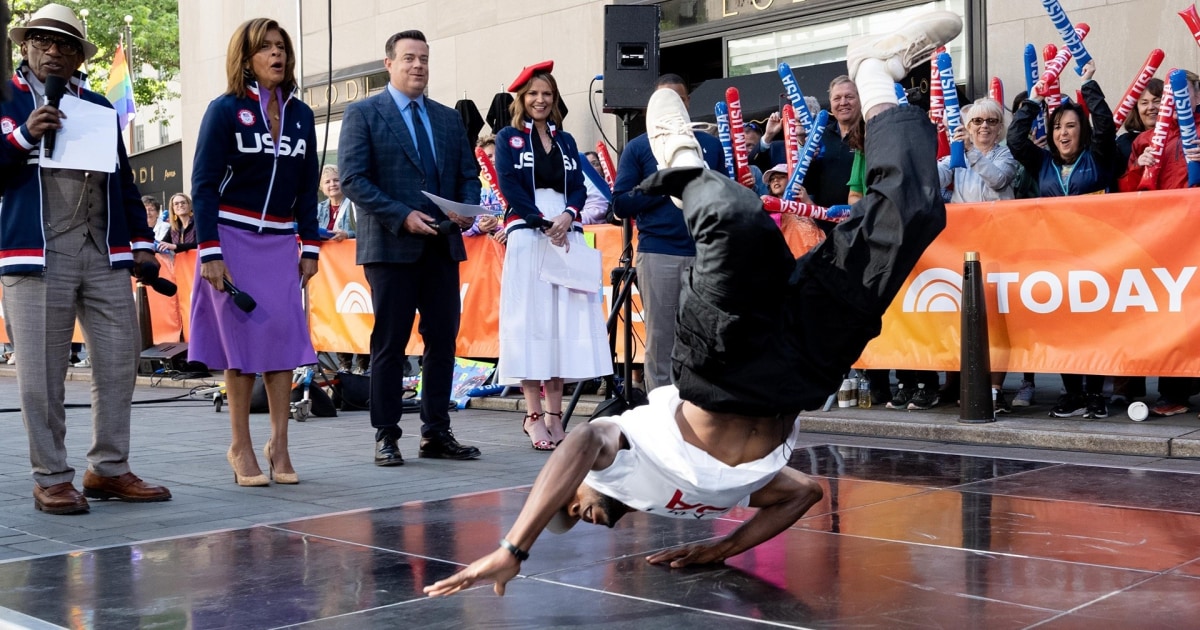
<point>246,117</point>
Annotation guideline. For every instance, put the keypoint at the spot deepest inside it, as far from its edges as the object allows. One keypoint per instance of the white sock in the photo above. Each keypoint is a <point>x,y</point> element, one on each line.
<point>875,84</point>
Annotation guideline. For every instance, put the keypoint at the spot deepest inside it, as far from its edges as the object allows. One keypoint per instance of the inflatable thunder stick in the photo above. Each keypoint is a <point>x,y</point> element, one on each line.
<point>996,90</point>
<point>1190,16</point>
<point>837,214</point>
<point>1186,116</point>
<point>1052,92</point>
<point>606,164</point>
<point>937,107</point>
<point>791,140</point>
<point>792,90</point>
<point>737,130</point>
<point>1031,79</point>
<point>812,146</point>
<point>722,113</point>
<point>1129,101</point>
<point>958,158</point>
<point>1055,66</point>
<point>1067,31</point>
<point>1166,116</point>
<point>489,173</point>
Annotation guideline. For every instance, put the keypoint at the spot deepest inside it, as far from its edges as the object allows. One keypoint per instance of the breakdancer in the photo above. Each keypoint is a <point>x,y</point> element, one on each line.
<point>760,336</point>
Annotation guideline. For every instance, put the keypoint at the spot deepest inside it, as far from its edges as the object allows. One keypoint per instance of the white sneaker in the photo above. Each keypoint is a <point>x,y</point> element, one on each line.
<point>908,47</point>
<point>669,129</point>
<point>86,362</point>
<point>12,358</point>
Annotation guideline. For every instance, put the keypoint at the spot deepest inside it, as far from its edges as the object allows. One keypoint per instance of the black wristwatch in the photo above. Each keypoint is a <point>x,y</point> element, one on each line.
<point>516,551</point>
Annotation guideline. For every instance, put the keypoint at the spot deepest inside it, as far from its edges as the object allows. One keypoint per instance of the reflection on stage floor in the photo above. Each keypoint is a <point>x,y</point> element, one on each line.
<point>901,539</point>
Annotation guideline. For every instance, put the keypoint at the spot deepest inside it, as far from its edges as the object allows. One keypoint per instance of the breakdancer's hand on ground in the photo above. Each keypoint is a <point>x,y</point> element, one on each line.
<point>709,553</point>
<point>499,566</point>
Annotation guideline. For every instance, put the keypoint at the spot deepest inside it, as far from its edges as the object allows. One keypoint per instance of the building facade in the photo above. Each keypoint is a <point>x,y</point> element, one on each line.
<point>478,46</point>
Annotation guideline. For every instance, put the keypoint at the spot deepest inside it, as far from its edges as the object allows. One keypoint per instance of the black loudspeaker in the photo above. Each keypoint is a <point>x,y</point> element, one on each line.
<point>630,55</point>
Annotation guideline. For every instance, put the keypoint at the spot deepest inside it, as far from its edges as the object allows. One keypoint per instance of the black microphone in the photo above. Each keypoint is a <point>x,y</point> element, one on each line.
<point>147,274</point>
<point>444,228</point>
<point>537,222</point>
<point>56,86</point>
<point>242,300</point>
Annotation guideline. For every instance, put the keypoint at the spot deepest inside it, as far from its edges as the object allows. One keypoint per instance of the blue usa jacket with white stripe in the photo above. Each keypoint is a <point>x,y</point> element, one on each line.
<point>242,179</point>
<point>22,237</point>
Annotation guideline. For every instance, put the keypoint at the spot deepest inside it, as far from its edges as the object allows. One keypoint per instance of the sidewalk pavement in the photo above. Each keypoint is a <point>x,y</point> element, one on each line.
<point>182,444</point>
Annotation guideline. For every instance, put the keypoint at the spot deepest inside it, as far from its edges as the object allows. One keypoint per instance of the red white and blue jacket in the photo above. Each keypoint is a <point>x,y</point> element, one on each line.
<point>242,179</point>
<point>22,237</point>
<point>514,167</point>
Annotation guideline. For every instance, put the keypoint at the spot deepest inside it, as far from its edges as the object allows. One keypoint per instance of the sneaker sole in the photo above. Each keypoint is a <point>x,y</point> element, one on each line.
<point>1021,403</point>
<point>1066,414</point>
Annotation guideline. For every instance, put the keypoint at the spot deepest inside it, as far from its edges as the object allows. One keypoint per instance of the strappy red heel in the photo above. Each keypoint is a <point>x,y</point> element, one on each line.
<point>539,444</point>
<point>556,438</point>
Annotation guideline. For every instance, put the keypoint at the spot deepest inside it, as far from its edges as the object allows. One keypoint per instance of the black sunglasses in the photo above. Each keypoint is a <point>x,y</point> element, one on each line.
<point>42,41</point>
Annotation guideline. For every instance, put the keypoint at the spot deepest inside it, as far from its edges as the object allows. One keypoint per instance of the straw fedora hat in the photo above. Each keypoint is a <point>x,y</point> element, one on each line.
<point>55,18</point>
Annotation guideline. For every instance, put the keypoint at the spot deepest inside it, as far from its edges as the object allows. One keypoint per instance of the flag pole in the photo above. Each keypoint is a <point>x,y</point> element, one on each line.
<point>128,37</point>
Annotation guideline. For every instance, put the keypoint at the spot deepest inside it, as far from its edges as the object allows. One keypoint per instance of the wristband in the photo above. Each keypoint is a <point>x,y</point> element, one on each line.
<point>521,556</point>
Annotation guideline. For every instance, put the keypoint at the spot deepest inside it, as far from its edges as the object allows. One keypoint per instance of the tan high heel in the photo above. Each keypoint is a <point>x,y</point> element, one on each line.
<point>280,478</point>
<point>248,481</point>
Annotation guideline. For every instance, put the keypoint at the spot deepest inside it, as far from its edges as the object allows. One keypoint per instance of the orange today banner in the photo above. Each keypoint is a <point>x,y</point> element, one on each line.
<point>1103,284</point>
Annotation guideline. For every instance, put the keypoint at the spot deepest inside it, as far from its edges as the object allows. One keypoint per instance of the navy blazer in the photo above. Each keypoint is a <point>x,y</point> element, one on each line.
<point>381,173</point>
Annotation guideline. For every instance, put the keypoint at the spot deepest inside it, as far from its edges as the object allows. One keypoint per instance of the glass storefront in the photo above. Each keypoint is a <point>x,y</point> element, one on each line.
<point>826,42</point>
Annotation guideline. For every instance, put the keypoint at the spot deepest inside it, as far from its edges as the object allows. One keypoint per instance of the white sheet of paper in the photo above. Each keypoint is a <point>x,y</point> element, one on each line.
<point>577,269</point>
<point>460,209</point>
<point>88,138</point>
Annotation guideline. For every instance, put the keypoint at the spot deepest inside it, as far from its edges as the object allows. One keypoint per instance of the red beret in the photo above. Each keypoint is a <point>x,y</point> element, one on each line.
<point>527,73</point>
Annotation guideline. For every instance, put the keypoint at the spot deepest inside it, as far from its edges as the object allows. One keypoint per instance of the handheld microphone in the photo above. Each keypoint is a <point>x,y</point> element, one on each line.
<point>240,299</point>
<point>444,228</point>
<point>56,86</point>
<point>147,274</point>
<point>537,222</point>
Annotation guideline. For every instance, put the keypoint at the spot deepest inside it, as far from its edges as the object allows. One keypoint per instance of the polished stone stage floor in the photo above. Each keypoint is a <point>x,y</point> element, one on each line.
<point>902,539</point>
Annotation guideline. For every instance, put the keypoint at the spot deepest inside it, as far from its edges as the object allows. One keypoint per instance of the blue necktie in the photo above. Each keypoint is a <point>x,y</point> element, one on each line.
<point>428,163</point>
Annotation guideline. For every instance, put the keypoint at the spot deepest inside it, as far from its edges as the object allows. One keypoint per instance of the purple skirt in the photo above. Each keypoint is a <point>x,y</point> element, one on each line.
<point>274,336</point>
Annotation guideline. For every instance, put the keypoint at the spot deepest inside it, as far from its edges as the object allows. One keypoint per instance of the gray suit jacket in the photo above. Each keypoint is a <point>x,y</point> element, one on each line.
<point>381,173</point>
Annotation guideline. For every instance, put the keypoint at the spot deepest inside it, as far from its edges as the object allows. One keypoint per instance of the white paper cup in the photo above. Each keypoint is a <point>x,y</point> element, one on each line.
<point>1138,411</point>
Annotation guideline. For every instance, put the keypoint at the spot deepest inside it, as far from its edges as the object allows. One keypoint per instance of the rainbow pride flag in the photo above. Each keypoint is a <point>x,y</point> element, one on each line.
<point>120,88</point>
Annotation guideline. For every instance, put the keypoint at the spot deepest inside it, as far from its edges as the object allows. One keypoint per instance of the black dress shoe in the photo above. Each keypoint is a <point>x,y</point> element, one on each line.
<point>387,453</point>
<point>444,446</point>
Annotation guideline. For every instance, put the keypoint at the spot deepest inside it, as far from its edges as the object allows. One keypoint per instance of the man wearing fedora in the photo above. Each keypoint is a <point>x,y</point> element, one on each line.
<point>68,240</point>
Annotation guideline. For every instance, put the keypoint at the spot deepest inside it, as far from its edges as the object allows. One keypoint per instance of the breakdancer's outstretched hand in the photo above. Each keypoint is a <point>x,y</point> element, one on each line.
<point>500,566</point>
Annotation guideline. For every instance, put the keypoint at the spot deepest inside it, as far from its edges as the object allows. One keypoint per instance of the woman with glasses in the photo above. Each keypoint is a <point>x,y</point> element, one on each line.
<point>989,176</point>
<point>991,168</point>
<point>1078,160</point>
<point>182,235</point>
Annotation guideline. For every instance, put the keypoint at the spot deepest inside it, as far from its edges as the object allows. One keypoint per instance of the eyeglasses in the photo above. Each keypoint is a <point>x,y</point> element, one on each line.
<point>978,122</point>
<point>42,41</point>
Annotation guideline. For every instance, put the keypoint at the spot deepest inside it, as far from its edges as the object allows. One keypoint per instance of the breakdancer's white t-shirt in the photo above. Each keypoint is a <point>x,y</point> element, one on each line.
<point>662,474</point>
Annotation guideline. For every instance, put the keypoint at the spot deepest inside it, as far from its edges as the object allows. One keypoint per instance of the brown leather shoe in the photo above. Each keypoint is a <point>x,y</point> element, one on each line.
<point>127,487</point>
<point>61,498</point>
